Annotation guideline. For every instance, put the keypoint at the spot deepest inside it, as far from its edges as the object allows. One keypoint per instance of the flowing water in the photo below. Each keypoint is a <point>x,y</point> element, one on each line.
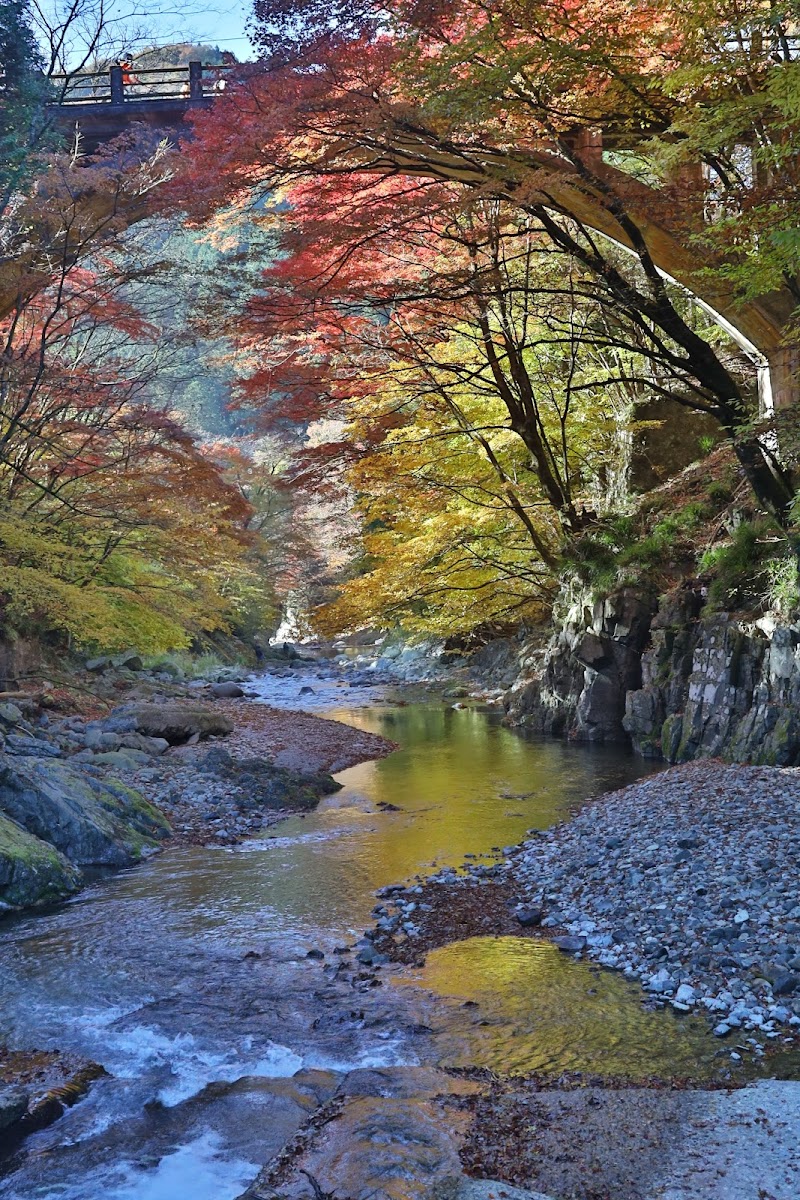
<point>187,977</point>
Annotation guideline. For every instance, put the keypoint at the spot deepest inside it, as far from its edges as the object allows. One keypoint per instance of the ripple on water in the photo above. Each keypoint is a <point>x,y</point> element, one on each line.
<point>540,1011</point>
<point>200,1170</point>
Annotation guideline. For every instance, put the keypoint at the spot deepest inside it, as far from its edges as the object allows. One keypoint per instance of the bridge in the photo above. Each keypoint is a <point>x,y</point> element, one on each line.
<point>102,104</point>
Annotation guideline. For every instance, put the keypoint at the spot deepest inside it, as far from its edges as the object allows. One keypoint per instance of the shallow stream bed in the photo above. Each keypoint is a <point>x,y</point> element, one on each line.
<point>187,977</point>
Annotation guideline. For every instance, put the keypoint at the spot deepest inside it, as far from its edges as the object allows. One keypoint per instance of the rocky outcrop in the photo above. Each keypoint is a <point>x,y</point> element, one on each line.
<point>93,821</point>
<point>60,813</point>
<point>56,818</point>
<point>577,686</point>
<point>31,871</point>
<point>716,685</point>
<point>675,680</point>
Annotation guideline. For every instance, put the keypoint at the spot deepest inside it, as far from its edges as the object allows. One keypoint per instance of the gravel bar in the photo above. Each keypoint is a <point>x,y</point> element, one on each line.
<point>686,881</point>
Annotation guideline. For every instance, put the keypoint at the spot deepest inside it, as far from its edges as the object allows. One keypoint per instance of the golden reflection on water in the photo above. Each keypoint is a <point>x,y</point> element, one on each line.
<point>539,1010</point>
<point>461,783</point>
<point>466,784</point>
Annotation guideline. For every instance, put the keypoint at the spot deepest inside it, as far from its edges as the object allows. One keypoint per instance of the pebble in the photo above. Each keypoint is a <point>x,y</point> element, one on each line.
<point>528,916</point>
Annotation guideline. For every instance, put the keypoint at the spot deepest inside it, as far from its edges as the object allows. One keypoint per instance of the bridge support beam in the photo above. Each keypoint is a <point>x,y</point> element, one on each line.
<point>784,377</point>
<point>117,85</point>
<point>195,81</point>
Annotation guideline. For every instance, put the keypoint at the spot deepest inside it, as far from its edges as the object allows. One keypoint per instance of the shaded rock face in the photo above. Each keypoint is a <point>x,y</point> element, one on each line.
<point>668,438</point>
<point>674,681</point>
<point>578,685</point>
<point>717,686</point>
<point>93,821</point>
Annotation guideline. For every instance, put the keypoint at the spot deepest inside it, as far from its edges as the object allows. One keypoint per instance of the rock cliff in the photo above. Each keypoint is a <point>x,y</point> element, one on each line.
<point>676,680</point>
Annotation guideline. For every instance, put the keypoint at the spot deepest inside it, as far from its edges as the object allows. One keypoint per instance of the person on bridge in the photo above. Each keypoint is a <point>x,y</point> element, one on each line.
<point>128,77</point>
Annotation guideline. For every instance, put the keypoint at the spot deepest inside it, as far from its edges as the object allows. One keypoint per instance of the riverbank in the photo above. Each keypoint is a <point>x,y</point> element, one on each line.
<point>241,1027</point>
<point>168,765</point>
<point>685,881</point>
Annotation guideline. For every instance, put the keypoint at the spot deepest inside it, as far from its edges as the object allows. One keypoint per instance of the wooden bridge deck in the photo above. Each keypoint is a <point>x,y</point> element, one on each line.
<point>103,104</point>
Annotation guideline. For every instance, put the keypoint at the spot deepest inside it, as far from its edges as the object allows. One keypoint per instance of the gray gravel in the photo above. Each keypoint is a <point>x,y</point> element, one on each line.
<point>687,881</point>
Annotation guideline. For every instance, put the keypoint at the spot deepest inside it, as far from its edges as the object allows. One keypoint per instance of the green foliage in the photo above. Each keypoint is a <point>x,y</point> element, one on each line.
<point>741,576</point>
<point>783,584</point>
<point>719,493</point>
<point>594,563</point>
<point>667,541</point>
<point>116,530</point>
<point>22,94</point>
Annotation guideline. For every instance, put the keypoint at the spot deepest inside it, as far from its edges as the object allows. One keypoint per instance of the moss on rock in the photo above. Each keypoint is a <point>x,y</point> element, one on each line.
<point>31,871</point>
<point>91,820</point>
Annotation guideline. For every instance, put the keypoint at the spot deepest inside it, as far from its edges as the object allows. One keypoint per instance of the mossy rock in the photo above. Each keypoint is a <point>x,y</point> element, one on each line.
<point>31,871</point>
<point>775,747</point>
<point>671,735</point>
<point>93,821</point>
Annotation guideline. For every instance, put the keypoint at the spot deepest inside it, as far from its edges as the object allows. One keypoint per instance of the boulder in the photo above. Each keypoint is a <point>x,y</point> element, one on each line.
<point>570,944</point>
<point>100,739</point>
<point>227,691</point>
<point>96,665</point>
<point>148,745</point>
<point>31,872</point>
<point>29,746</point>
<point>176,723</point>
<point>528,916</point>
<point>92,821</point>
<point>130,660</point>
<point>121,760</point>
<point>13,1106</point>
<point>10,714</point>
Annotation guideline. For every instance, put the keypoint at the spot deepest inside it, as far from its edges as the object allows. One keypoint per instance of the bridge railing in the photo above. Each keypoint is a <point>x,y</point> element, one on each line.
<point>123,82</point>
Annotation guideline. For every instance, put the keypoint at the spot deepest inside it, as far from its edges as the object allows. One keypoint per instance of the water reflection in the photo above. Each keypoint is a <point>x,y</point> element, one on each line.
<point>192,967</point>
<point>466,784</point>
<point>538,1010</point>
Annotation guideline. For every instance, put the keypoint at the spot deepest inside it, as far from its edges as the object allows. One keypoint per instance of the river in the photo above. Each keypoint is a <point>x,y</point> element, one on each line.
<point>188,977</point>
